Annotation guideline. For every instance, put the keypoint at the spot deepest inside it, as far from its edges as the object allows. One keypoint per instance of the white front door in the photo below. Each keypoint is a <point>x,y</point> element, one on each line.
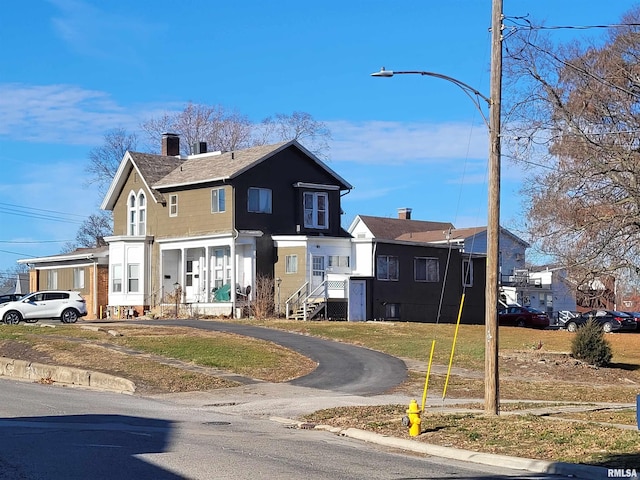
<point>317,270</point>
<point>192,279</point>
<point>357,301</point>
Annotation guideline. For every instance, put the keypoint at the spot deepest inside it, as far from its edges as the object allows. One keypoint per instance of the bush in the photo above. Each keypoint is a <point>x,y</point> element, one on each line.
<point>590,345</point>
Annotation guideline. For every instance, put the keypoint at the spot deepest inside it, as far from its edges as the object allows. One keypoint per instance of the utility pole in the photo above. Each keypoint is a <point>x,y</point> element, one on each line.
<point>492,383</point>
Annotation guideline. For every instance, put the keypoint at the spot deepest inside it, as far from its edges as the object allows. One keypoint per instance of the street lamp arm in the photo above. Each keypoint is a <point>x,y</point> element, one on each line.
<point>467,89</point>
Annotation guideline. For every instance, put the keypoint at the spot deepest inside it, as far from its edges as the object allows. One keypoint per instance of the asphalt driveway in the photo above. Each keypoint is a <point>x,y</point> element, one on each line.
<point>341,367</point>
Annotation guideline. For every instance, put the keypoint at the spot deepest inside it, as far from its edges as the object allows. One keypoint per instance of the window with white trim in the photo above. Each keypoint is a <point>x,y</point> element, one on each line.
<point>78,277</point>
<point>142,214</point>
<point>467,273</point>
<point>137,214</point>
<point>221,267</point>
<point>173,205</point>
<point>316,212</point>
<point>426,269</point>
<point>116,278</point>
<point>291,264</point>
<point>387,267</point>
<point>259,200</point>
<point>133,278</point>
<point>338,261</point>
<point>217,200</point>
<point>132,214</point>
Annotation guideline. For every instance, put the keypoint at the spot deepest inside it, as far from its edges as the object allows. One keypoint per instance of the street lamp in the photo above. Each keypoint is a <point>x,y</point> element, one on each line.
<point>491,389</point>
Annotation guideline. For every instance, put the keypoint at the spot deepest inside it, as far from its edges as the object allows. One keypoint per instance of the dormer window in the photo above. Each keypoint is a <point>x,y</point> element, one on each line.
<point>137,214</point>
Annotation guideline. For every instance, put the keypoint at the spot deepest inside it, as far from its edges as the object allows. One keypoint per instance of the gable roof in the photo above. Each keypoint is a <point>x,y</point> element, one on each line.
<point>160,172</point>
<point>216,166</point>
<point>394,228</point>
<point>150,168</point>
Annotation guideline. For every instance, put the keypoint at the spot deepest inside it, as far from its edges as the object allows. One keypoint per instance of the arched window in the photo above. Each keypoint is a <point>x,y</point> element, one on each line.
<point>137,214</point>
<point>142,214</point>
<point>132,211</point>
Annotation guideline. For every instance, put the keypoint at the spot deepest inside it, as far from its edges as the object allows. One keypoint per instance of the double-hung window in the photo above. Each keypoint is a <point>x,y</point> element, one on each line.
<point>78,278</point>
<point>259,200</point>
<point>116,278</point>
<point>217,200</point>
<point>426,269</point>
<point>291,264</point>
<point>316,211</point>
<point>133,278</point>
<point>173,205</point>
<point>387,267</point>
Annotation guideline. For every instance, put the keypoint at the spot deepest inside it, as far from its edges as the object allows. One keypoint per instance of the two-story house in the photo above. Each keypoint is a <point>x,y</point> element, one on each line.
<point>208,225</point>
<point>402,271</point>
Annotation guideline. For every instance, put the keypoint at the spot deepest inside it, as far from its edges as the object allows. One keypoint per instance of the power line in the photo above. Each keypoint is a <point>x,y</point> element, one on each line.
<point>40,213</point>
<point>34,241</point>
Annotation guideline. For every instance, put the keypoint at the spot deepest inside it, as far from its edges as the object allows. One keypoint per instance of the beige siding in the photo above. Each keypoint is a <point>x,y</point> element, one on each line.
<point>194,212</point>
<point>194,215</point>
<point>290,281</point>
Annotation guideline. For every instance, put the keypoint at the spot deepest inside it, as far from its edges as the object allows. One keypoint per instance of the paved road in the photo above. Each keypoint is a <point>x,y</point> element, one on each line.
<point>341,368</point>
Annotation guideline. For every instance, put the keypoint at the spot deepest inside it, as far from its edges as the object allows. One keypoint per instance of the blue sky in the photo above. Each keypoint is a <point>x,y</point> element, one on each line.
<point>74,69</point>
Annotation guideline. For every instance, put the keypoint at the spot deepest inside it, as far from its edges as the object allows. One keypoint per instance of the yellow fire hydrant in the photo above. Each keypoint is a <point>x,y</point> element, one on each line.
<point>412,420</point>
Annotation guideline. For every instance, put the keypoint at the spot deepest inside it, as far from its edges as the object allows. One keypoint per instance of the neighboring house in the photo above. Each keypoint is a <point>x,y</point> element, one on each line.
<point>402,271</point>
<point>84,270</point>
<point>207,226</point>
<point>19,285</point>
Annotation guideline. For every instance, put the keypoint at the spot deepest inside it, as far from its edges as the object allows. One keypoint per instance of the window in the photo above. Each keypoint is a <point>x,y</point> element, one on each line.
<point>137,214</point>
<point>78,278</point>
<point>338,261</point>
<point>426,269</point>
<point>132,214</point>
<point>291,264</point>
<point>133,278</point>
<point>221,266</point>
<point>116,278</point>
<point>316,214</point>
<point>387,267</point>
<point>467,273</point>
<point>259,200</point>
<point>173,205</point>
<point>52,279</point>
<point>392,311</point>
<point>217,200</point>
<point>142,214</point>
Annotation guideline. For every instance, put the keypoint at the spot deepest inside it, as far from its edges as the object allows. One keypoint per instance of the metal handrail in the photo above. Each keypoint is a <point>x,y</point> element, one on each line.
<point>295,298</point>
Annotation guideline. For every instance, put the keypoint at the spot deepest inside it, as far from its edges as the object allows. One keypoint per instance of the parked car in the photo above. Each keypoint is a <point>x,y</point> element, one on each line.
<point>9,297</point>
<point>636,316</point>
<point>523,317</point>
<point>66,305</point>
<point>610,320</point>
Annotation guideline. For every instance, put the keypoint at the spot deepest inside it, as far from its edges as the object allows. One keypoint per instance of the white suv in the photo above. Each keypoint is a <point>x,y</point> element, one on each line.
<point>65,305</point>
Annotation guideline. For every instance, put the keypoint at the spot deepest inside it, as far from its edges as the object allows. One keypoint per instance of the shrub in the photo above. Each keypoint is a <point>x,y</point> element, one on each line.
<point>590,345</point>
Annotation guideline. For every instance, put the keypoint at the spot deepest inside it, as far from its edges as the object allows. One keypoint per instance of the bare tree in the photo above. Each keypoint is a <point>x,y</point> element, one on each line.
<point>92,232</point>
<point>221,129</point>
<point>573,112</point>
<point>105,159</point>
<point>228,130</point>
<point>299,126</point>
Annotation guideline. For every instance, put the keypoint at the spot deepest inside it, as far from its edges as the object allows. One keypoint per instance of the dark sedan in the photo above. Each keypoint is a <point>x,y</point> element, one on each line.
<point>523,317</point>
<point>610,320</point>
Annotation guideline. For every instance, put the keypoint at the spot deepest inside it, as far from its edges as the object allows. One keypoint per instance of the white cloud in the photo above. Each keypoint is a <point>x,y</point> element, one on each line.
<point>376,142</point>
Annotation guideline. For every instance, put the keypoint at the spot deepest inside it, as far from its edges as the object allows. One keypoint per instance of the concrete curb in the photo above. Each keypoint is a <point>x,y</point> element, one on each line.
<point>505,461</point>
<point>39,372</point>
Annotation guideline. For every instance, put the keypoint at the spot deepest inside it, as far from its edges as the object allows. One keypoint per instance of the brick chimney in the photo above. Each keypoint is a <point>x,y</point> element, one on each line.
<point>170,144</point>
<point>404,213</point>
